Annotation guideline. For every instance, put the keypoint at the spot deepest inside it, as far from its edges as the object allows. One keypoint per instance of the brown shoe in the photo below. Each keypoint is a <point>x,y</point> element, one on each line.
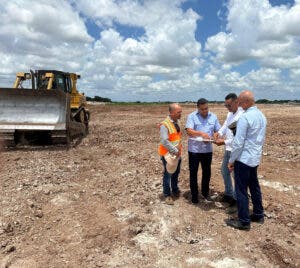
<point>169,200</point>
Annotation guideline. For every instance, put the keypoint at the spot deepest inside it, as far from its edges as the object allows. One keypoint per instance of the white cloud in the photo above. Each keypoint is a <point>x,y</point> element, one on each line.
<point>295,74</point>
<point>268,35</point>
<point>129,12</point>
<point>169,33</point>
<point>259,31</point>
<point>41,22</point>
<point>264,77</point>
<point>167,49</point>
<point>165,61</point>
<point>40,34</point>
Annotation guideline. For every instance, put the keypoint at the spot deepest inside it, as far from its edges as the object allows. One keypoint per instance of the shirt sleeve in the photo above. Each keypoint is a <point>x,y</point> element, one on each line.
<point>190,122</point>
<point>222,130</point>
<point>239,139</point>
<point>228,141</point>
<point>164,140</point>
<point>217,125</point>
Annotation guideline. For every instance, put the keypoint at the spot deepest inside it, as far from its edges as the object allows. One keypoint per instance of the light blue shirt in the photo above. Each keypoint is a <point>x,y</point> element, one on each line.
<point>209,125</point>
<point>250,137</point>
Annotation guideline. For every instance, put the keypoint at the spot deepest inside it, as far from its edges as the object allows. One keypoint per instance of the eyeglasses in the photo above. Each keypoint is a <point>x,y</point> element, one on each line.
<point>227,105</point>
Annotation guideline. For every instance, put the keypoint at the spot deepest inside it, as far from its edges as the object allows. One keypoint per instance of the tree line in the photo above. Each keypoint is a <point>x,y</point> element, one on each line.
<point>98,99</point>
<point>262,101</point>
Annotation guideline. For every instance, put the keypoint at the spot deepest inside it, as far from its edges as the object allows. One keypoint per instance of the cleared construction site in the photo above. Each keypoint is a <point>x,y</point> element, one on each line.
<point>97,202</point>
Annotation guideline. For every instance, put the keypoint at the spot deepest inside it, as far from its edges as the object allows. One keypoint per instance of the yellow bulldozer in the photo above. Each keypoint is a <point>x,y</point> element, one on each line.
<point>50,108</point>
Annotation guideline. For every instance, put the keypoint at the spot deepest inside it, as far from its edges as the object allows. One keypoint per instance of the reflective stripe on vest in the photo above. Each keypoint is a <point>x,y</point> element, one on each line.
<point>174,136</point>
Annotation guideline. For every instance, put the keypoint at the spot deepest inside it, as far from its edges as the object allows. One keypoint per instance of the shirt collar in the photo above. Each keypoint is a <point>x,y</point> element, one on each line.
<point>251,108</point>
<point>208,115</point>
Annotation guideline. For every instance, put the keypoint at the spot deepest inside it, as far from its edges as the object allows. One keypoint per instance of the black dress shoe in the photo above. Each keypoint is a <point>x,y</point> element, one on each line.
<point>232,202</point>
<point>226,199</point>
<point>195,200</point>
<point>257,219</point>
<point>237,224</point>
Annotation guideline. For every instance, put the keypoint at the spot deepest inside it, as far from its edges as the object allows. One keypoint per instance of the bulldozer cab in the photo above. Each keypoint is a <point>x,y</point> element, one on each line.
<point>53,80</point>
<point>61,81</point>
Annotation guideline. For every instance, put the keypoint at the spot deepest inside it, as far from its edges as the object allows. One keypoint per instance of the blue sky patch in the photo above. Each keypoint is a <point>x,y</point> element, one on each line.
<point>129,31</point>
<point>246,67</point>
<point>212,18</point>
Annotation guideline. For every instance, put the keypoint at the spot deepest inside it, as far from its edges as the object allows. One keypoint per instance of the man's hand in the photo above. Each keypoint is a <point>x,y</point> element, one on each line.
<point>230,167</point>
<point>216,136</point>
<point>195,133</point>
<point>178,153</point>
<point>205,135</point>
<point>179,148</point>
<point>219,142</point>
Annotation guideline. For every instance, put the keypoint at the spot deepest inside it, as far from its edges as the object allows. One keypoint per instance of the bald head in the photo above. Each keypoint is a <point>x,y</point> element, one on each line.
<point>175,111</point>
<point>247,95</point>
<point>173,106</point>
<point>246,99</point>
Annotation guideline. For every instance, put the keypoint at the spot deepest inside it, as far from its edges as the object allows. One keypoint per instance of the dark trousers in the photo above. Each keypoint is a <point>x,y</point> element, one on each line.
<point>246,176</point>
<point>194,160</point>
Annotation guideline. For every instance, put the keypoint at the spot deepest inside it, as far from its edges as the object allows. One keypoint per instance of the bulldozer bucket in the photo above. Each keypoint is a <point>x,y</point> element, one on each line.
<point>28,109</point>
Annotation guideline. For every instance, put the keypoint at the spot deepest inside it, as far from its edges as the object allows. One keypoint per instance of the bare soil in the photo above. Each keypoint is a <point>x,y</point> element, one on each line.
<point>98,204</point>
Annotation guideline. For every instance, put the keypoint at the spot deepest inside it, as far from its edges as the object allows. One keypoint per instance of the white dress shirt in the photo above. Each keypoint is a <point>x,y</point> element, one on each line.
<point>225,131</point>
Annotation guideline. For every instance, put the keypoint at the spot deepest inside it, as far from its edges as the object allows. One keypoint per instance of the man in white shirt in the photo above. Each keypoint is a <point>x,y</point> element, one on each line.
<point>225,137</point>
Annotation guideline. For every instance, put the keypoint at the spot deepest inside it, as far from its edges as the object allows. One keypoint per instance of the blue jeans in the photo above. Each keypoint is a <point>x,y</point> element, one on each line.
<point>167,178</point>
<point>245,177</point>
<point>229,191</point>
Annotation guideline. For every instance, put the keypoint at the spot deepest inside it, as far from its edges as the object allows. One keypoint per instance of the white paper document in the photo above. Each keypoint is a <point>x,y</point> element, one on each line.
<point>201,139</point>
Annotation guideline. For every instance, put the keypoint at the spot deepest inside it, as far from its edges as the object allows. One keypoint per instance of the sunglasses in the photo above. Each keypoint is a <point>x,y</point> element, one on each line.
<point>228,105</point>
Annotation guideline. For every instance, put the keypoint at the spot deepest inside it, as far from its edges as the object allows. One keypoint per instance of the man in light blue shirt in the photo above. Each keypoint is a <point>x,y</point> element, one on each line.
<point>244,160</point>
<point>201,126</point>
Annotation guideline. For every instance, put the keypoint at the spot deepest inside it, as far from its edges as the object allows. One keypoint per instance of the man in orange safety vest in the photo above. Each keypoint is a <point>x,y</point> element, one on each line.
<point>170,152</point>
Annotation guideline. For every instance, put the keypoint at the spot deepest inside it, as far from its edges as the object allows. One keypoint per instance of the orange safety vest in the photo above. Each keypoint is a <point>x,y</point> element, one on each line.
<point>174,136</point>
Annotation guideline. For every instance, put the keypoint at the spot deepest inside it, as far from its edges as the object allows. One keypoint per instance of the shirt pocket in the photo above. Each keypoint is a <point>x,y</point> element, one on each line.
<point>210,126</point>
<point>210,123</point>
<point>198,126</point>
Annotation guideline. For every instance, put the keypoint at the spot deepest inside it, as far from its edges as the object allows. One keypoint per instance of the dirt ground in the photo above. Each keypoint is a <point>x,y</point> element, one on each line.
<point>99,204</point>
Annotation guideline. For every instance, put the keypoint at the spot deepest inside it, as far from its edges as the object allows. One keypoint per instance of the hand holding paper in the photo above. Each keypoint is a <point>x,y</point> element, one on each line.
<point>200,139</point>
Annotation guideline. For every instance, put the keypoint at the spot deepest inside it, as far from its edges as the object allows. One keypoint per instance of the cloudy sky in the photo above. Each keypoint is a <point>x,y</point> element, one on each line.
<point>157,50</point>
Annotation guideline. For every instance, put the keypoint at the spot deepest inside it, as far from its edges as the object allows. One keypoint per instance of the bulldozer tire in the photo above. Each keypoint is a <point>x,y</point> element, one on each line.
<point>81,116</point>
<point>83,119</point>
